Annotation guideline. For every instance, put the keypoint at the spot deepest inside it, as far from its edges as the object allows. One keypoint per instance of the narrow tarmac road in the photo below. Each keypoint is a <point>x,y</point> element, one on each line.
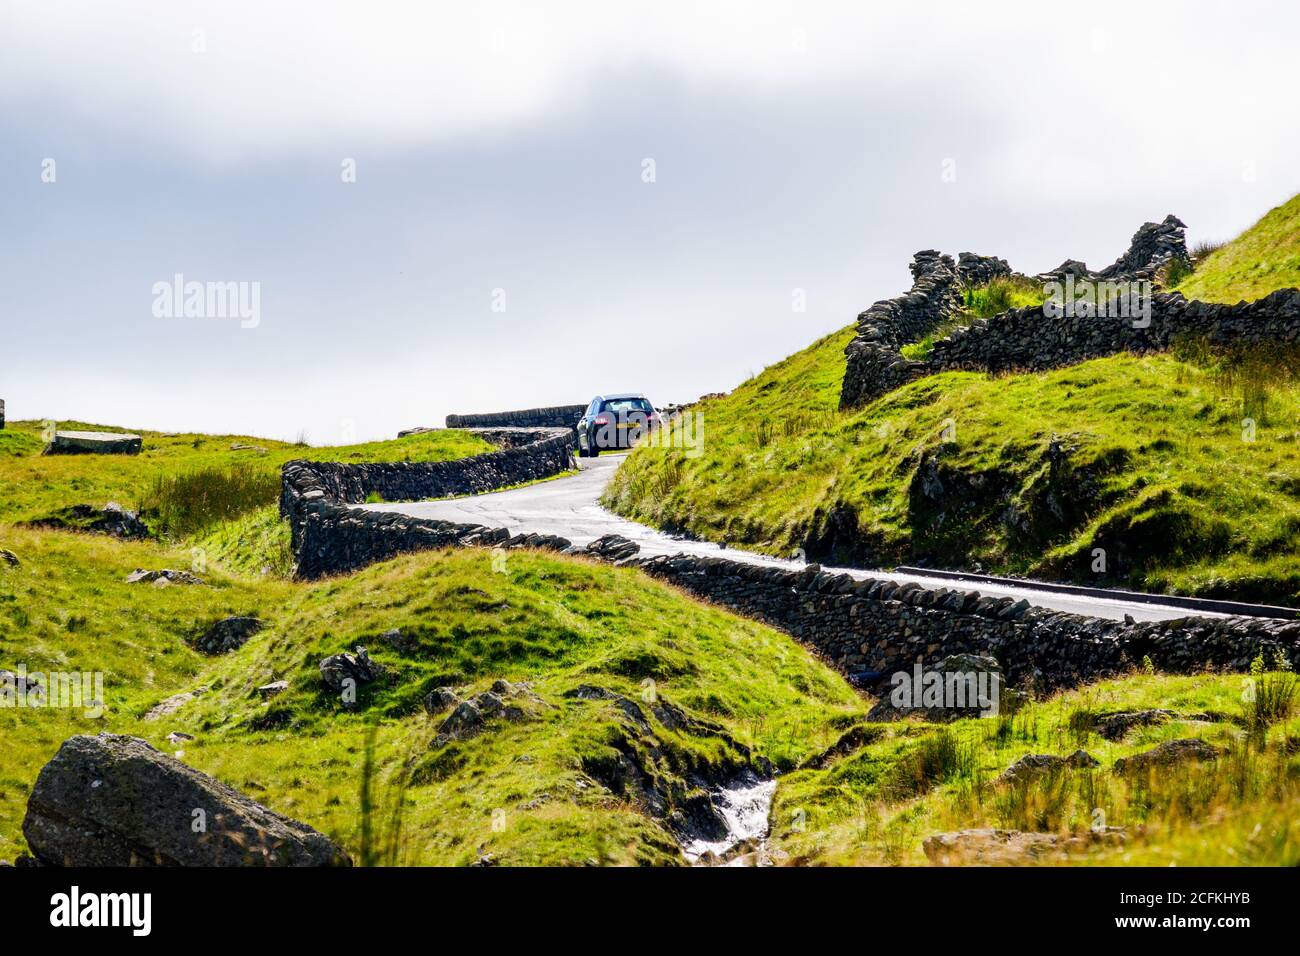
<point>570,507</point>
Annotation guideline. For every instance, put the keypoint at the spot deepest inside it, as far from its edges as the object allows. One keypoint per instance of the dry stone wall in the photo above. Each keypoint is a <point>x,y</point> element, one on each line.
<point>329,537</point>
<point>1041,337</point>
<point>555,416</point>
<point>1033,339</point>
<point>868,627</point>
<point>873,355</point>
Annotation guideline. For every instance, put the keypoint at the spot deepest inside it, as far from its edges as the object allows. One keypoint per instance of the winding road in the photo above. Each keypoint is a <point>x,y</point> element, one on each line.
<point>570,507</point>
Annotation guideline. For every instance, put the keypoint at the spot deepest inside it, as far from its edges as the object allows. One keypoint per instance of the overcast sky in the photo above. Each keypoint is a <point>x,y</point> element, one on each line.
<point>501,156</point>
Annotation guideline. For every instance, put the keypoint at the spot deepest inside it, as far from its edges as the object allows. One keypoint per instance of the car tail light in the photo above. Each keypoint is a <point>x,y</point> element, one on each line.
<point>601,420</point>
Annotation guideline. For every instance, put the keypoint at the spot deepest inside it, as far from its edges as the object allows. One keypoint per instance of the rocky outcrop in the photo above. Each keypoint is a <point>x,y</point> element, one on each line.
<point>1168,754</point>
<point>1116,726</point>
<point>989,847</point>
<point>273,689</point>
<point>116,801</point>
<point>112,520</point>
<point>174,703</point>
<point>469,718</point>
<point>440,699</point>
<point>636,763</point>
<point>1032,766</point>
<point>227,635</point>
<point>348,672</point>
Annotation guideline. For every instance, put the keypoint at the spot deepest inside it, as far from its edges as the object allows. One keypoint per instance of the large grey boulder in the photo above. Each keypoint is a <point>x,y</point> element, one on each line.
<point>94,443</point>
<point>113,800</point>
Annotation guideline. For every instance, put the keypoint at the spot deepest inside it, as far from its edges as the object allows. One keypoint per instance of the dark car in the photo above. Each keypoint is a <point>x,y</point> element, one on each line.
<point>614,421</point>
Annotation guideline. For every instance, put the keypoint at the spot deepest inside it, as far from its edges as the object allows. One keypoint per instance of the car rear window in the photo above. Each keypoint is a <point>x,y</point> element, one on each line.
<point>624,405</point>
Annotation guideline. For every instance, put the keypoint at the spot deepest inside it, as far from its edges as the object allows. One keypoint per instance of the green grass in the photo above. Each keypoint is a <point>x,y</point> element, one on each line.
<point>34,485</point>
<point>256,543</point>
<point>374,777</point>
<point>877,804</point>
<point>523,793</point>
<point>1001,295</point>
<point>1159,474</point>
<point>555,622</point>
<point>1263,258</point>
<point>982,302</point>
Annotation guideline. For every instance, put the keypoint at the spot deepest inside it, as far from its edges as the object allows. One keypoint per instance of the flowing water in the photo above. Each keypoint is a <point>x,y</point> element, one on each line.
<point>745,807</point>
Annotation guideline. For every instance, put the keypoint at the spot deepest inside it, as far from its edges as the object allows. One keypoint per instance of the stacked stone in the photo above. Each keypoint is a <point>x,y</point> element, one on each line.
<point>869,627</point>
<point>1153,247</point>
<point>554,416</point>
<point>865,627</point>
<point>1033,340</point>
<point>873,355</point>
<point>328,537</point>
<point>975,270</point>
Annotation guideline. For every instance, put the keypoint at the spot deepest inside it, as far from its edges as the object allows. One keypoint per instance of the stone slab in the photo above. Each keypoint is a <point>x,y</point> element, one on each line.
<point>94,443</point>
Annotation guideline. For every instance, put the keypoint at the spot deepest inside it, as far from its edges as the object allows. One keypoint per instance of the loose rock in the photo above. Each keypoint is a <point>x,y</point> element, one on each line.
<point>165,576</point>
<point>112,520</point>
<point>439,699</point>
<point>276,687</point>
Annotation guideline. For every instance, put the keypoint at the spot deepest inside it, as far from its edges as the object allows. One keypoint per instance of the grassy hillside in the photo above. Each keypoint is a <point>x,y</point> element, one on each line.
<point>556,623</point>
<point>34,486</point>
<point>543,790</point>
<point>1155,471</point>
<point>1153,461</point>
<point>878,803</point>
<point>1263,258</point>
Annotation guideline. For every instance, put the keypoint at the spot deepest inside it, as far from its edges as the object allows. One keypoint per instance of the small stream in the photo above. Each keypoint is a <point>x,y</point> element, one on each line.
<point>745,807</point>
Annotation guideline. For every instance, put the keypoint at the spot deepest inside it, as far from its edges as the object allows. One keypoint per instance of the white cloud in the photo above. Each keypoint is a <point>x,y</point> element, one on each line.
<point>281,78</point>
